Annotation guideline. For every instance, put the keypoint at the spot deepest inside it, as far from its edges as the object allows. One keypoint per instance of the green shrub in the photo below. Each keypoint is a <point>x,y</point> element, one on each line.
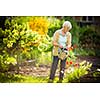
<point>89,38</point>
<point>55,24</point>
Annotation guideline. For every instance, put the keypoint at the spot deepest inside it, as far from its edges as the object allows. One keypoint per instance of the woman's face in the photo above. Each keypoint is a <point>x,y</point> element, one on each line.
<point>66,29</point>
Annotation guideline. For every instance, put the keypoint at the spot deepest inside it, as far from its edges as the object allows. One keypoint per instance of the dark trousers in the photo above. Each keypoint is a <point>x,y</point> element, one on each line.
<point>54,68</point>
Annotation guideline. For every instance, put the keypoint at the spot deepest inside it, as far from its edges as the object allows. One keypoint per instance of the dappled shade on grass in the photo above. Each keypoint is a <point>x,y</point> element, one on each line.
<point>21,79</point>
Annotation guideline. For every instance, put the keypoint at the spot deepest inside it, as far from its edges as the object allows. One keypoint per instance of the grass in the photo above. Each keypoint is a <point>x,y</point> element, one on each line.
<point>21,79</point>
<point>25,79</point>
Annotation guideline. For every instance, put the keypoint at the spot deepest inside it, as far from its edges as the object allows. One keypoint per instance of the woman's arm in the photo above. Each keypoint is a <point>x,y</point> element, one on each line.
<point>69,40</point>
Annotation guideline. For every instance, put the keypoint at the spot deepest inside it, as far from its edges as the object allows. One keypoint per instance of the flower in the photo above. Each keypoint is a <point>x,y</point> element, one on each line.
<point>76,65</point>
<point>70,49</point>
<point>67,62</point>
<point>75,46</point>
<point>71,62</point>
<point>39,24</point>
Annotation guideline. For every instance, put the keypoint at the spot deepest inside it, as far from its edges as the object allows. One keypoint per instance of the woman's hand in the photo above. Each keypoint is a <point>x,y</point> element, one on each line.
<point>67,48</point>
<point>56,44</point>
<point>60,46</point>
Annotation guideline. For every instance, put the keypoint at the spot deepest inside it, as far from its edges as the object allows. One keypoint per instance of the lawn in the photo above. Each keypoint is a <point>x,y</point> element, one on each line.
<point>17,78</point>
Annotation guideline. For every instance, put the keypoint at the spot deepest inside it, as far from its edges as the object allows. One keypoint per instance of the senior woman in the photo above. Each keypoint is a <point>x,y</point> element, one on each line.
<point>61,39</point>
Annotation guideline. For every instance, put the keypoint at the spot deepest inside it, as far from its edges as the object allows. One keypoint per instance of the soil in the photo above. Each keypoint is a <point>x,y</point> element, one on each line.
<point>89,78</point>
<point>28,68</point>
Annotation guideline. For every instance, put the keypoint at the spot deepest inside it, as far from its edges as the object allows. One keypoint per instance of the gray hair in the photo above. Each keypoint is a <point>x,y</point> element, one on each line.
<point>67,23</point>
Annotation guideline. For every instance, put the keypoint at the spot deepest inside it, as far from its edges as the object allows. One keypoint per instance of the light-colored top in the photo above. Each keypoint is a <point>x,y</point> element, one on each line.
<point>64,40</point>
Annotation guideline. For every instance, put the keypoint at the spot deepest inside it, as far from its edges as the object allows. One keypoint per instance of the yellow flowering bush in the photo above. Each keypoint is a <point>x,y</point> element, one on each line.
<point>39,24</point>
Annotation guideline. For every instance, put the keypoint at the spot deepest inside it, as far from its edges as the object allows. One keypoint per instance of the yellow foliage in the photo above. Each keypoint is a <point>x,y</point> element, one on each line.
<point>39,24</point>
<point>25,50</point>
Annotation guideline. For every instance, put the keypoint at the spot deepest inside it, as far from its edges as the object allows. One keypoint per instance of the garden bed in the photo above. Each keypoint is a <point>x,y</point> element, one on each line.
<point>28,69</point>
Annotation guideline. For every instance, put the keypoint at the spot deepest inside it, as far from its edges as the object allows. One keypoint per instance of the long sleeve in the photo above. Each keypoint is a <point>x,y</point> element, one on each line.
<point>69,40</point>
<point>55,43</point>
<point>55,38</point>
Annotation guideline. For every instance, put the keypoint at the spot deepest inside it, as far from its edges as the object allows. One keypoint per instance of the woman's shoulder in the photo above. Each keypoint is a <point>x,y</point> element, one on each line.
<point>68,33</point>
<point>57,32</point>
